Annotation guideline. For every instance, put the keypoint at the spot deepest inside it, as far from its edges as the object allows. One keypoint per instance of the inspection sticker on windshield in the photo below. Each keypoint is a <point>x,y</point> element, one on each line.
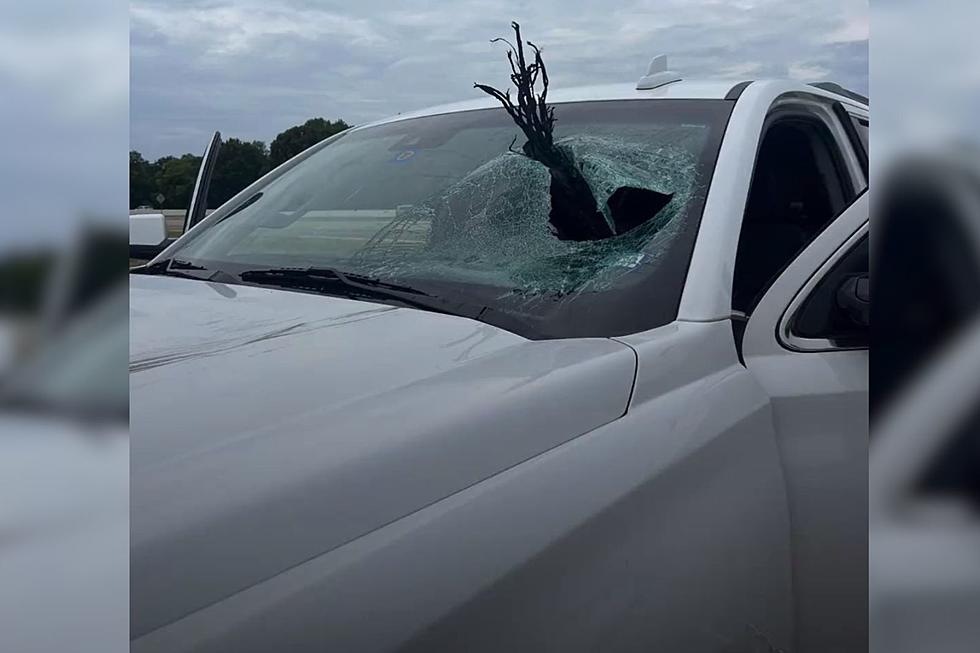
<point>403,156</point>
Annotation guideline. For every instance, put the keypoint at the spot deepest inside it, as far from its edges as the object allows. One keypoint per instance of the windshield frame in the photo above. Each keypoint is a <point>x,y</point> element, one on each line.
<point>644,301</point>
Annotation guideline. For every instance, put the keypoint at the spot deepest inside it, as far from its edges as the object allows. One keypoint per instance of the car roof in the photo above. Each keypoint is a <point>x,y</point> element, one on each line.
<point>702,89</point>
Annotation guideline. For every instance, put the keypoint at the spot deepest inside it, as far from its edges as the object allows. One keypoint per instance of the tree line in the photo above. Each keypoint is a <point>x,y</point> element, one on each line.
<point>168,182</point>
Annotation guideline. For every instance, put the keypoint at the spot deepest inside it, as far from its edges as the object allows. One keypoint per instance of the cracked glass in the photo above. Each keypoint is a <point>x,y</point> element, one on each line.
<point>447,203</point>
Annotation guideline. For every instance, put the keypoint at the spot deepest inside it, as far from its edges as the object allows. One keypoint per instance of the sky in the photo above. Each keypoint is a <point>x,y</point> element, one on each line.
<point>64,118</point>
<point>252,68</point>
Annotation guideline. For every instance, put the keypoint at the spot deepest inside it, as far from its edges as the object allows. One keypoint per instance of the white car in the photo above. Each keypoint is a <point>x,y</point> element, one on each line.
<point>377,405</point>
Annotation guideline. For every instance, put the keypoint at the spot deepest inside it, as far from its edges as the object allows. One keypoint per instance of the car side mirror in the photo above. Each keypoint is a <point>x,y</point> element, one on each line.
<point>854,298</point>
<point>147,235</point>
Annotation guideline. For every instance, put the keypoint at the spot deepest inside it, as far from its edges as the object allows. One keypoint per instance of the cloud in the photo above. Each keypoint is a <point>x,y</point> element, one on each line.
<point>243,28</point>
<point>926,62</point>
<point>855,29</point>
<point>807,72</point>
<point>64,110</point>
<point>70,64</point>
<point>253,69</point>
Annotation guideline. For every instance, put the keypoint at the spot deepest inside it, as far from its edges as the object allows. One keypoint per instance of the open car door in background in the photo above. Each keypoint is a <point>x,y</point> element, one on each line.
<point>148,232</point>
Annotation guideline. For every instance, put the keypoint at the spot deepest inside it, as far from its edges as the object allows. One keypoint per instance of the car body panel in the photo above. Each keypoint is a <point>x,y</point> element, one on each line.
<point>616,494</point>
<point>697,89</point>
<point>689,90</point>
<point>619,539</point>
<point>272,426</point>
<point>820,409</point>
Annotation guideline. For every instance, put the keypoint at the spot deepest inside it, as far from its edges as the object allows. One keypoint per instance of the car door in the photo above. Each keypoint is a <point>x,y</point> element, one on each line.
<point>811,357</point>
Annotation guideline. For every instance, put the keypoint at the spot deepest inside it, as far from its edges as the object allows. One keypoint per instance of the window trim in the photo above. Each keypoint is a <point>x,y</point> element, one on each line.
<point>822,109</point>
<point>847,170</point>
<point>817,110</point>
<point>848,122</point>
<point>784,329</point>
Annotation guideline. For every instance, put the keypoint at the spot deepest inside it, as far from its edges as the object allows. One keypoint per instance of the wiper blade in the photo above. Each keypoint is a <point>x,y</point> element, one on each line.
<point>176,267</point>
<point>179,264</point>
<point>172,267</point>
<point>317,274</point>
<point>330,280</point>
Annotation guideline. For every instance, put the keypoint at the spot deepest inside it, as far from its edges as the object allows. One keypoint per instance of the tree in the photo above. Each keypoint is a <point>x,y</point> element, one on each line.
<point>175,180</point>
<point>239,164</point>
<point>575,214</point>
<point>142,184</point>
<point>296,139</point>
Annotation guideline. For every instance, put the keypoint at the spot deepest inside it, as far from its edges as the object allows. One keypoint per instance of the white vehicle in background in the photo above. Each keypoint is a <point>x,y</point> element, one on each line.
<point>376,405</point>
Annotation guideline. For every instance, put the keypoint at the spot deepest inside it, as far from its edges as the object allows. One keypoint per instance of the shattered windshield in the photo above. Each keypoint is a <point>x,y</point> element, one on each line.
<point>449,203</point>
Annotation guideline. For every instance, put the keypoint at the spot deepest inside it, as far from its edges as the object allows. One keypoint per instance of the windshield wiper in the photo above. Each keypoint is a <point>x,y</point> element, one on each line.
<point>317,274</point>
<point>171,267</point>
<point>180,264</point>
<point>175,267</point>
<point>355,286</point>
<point>331,281</point>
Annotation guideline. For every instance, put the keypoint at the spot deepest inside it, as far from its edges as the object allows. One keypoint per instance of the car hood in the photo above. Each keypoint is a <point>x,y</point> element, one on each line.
<point>270,426</point>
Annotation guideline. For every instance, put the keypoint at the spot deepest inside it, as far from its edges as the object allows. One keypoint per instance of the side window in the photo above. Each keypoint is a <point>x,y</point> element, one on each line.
<point>799,185</point>
<point>836,312</point>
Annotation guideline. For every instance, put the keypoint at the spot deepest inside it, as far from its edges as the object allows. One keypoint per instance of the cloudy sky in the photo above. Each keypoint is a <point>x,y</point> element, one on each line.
<point>252,68</point>
<point>63,118</point>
